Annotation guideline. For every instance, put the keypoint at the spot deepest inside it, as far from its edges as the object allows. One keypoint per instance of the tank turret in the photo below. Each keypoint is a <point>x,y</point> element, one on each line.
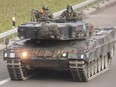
<point>56,30</point>
<point>44,27</point>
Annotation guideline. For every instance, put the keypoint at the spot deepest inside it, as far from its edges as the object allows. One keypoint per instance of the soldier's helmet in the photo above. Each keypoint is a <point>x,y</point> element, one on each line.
<point>45,7</point>
<point>69,8</point>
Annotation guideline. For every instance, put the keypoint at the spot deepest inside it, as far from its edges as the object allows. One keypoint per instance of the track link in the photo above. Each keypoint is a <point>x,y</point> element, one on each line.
<point>15,70</point>
<point>78,70</point>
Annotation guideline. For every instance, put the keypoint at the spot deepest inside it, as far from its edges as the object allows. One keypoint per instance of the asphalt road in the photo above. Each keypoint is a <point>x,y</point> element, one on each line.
<point>102,17</point>
<point>105,17</point>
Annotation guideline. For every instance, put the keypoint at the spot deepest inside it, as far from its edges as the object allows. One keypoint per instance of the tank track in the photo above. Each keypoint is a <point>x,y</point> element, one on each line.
<point>15,70</point>
<point>78,70</point>
<point>83,72</point>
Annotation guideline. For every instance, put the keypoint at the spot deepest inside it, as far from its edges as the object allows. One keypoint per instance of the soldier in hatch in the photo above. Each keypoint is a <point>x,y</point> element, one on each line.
<point>69,14</point>
<point>45,13</point>
<point>35,14</point>
<point>90,29</point>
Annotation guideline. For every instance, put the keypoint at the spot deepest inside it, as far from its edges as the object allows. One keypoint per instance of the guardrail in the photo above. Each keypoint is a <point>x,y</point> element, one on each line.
<point>7,33</point>
<point>76,6</point>
<point>13,31</point>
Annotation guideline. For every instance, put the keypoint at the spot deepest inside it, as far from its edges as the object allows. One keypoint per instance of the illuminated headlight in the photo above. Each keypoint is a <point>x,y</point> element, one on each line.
<point>24,55</point>
<point>12,55</point>
<point>82,56</point>
<point>5,54</point>
<point>64,54</point>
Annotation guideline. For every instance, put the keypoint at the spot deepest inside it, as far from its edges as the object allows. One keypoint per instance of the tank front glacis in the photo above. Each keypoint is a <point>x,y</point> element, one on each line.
<point>58,51</point>
<point>54,30</point>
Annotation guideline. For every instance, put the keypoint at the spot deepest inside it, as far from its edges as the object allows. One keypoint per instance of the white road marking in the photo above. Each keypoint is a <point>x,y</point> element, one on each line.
<point>4,81</point>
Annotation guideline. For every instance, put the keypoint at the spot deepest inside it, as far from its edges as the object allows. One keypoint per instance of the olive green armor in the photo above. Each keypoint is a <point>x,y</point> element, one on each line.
<point>47,14</point>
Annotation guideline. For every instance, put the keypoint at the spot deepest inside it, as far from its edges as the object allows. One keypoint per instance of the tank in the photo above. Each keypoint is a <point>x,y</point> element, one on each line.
<point>63,45</point>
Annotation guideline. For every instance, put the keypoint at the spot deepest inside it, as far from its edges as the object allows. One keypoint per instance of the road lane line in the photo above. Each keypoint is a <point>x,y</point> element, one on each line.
<point>4,81</point>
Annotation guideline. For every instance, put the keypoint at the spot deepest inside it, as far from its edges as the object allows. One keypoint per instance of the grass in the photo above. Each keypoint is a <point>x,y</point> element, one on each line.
<point>22,10</point>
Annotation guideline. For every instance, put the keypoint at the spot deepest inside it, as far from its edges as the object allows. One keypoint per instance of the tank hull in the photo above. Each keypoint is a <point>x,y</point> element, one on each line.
<point>47,63</point>
<point>86,59</point>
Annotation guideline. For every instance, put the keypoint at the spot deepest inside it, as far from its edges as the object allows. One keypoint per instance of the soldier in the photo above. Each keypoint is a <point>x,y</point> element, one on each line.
<point>90,29</point>
<point>35,14</point>
<point>46,13</point>
<point>69,14</point>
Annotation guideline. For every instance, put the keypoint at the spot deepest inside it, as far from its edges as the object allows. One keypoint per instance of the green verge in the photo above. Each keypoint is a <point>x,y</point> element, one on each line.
<point>22,10</point>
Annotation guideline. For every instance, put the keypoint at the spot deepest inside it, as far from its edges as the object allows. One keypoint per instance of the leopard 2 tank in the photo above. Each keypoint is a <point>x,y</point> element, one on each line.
<point>61,44</point>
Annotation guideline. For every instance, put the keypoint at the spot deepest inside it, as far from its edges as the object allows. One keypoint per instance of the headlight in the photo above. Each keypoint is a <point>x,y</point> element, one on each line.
<point>24,55</point>
<point>82,56</point>
<point>12,55</point>
<point>5,54</point>
<point>64,54</point>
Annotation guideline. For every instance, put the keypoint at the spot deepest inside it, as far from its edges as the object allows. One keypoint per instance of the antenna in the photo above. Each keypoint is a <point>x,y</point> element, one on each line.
<point>6,41</point>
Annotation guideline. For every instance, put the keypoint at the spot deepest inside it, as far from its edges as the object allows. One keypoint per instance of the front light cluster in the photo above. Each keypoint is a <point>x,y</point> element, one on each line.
<point>9,55</point>
<point>5,55</point>
<point>12,55</point>
<point>24,55</point>
<point>64,54</point>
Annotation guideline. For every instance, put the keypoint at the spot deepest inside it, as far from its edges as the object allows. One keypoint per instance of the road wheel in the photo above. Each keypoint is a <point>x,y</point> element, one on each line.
<point>103,62</point>
<point>89,70</point>
<point>109,62</point>
<point>112,52</point>
<point>92,68</point>
<point>99,64</point>
<point>109,59</point>
<point>25,70</point>
<point>110,55</point>
<point>95,66</point>
<point>106,61</point>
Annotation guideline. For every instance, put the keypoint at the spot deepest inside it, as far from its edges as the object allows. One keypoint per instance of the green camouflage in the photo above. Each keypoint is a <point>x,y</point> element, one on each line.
<point>49,31</point>
<point>47,15</point>
<point>69,14</point>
